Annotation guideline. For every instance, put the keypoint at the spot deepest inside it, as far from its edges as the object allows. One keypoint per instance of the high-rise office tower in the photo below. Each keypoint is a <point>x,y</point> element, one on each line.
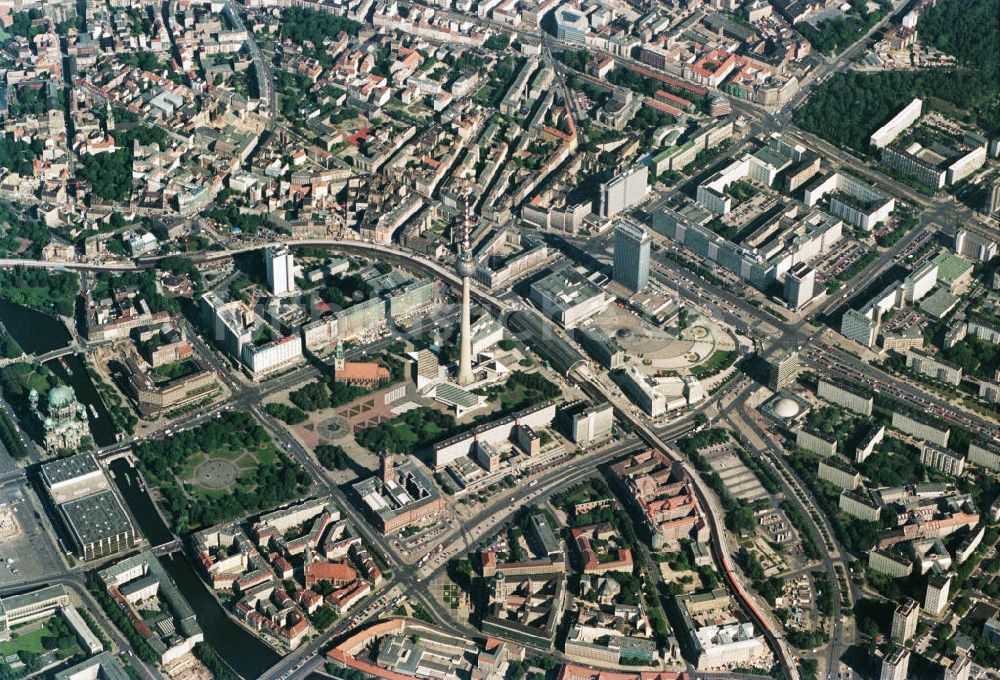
<point>800,284</point>
<point>427,368</point>
<point>465,266</point>
<point>631,256</point>
<point>280,270</point>
<point>781,370</point>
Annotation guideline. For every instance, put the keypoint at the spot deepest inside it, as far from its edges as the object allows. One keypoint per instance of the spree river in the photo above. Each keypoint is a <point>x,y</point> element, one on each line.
<point>244,653</point>
<point>38,333</point>
<point>72,370</point>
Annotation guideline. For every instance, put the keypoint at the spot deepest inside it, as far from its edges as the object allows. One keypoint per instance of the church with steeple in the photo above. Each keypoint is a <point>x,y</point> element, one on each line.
<point>367,374</point>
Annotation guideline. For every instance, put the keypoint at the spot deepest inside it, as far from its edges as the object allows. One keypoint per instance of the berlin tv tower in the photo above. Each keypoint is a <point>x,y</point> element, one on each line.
<point>464,265</point>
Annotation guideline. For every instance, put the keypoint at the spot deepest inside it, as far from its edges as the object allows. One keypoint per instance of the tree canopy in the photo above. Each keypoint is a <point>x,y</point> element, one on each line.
<point>849,107</point>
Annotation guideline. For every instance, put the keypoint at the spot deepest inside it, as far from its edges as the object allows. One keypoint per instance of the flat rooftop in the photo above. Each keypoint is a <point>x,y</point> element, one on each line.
<point>453,394</point>
<point>567,287</point>
<point>951,267</point>
<point>103,666</point>
<point>939,303</point>
<point>389,500</point>
<point>97,516</point>
<point>35,597</point>
<point>65,469</point>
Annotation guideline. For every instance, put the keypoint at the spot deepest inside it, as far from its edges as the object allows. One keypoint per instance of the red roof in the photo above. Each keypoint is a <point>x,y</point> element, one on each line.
<point>362,370</point>
<point>358,137</point>
<point>329,571</point>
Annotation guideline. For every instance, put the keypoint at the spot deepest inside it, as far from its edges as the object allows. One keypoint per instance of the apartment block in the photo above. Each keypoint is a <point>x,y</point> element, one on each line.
<point>985,329</point>
<point>904,621</point>
<point>970,543</point>
<point>854,398</point>
<point>815,443</point>
<point>919,282</point>
<point>975,245</point>
<point>851,199</point>
<point>912,425</point>
<point>886,134</point>
<point>959,670</point>
<point>860,504</point>
<point>947,461</point>
<point>889,563</point>
<point>903,339</point>
<point>839,473</point>
<point>895,664</point>
<point>986,455</point>
<point>989,391</point>
<point>623,191</point>
<point>938,590</point>
<point>868,443</point>
<point>934,367</point>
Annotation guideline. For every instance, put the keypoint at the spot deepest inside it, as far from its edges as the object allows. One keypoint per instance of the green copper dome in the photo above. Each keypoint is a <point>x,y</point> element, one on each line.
<point>61,396</point>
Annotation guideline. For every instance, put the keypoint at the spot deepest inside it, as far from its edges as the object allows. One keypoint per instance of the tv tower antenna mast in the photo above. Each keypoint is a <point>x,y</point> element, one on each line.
<point>465,266</point>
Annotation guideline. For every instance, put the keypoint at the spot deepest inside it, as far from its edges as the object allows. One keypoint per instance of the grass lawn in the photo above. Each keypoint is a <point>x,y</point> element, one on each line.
<point>27,642</point>
<point>186,472</point>
<point>720,359</point>
<point>405,431</point>
<point>246,462</point>
<point>266,454</point>
<point>32,377</point>
<point>484,94</point>
<point>511,397</point>
<point>229,454</point>
<point>434,431</point>
<point>431,431</point>
<point>210,494</point>
<point>580,494</point>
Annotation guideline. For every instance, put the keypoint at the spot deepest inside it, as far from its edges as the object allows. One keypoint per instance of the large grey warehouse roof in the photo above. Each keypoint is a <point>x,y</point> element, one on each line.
<point>95,517</point>
<point>72,467</point>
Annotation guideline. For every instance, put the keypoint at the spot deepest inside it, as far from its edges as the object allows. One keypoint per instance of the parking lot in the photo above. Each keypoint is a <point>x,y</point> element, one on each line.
<point>29,539</point>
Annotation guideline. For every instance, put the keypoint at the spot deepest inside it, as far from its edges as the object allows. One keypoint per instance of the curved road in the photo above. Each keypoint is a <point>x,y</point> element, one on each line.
<point>446,274</point>
<point>708,504</point>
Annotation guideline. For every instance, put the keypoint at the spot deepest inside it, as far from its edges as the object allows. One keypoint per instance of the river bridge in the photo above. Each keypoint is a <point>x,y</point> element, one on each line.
<point>39,358</point>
